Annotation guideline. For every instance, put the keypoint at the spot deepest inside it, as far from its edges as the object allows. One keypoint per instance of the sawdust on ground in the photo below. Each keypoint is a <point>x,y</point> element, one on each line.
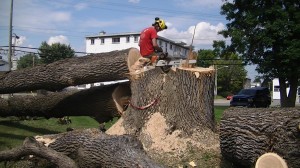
<point>155,136</point>
<point>156,130</point>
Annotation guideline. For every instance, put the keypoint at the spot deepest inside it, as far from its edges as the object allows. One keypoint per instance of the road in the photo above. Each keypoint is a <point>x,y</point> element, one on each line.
<point>224,102</point>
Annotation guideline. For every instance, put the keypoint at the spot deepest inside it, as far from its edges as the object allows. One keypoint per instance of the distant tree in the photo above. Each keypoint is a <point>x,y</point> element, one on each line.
<point>219,48</point>
<point>205,58</point>
<point>267,82</point>
<point>267,33</point>
<point>257,79</point>
<point>232,78</point>
<point>28,60</point>
<point>55,52</point>
<point>231,73</point>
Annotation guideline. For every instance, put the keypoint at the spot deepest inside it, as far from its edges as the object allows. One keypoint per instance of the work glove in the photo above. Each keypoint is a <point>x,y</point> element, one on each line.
<point>163,55</point>
<point>158,50</point>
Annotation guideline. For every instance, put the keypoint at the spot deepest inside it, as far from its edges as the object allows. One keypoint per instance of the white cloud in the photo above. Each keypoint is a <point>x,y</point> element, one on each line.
<point>80,6</point>
<point>30,14</point>
<point>58,39</point>
<point>134,1</point>
<point>60,16</point>
<point>205,34</point>
<point>199,3</point>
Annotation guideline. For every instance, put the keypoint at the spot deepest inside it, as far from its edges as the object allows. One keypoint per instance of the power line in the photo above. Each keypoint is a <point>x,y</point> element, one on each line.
<point>205,59</point>
<point>142,9</point>
<point>33,48</point>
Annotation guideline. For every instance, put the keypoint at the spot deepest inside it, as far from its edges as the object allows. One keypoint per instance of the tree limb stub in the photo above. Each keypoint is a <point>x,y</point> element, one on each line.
<point>32,147</point>
<point>102,67</point>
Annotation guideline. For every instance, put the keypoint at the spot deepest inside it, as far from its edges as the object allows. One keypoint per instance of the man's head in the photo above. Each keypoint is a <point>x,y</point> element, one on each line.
<point>159,24</point>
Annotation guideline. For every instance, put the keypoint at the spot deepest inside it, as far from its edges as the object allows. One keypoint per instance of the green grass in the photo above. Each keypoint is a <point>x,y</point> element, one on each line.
<point>13,131</point>
<point>218,112</point>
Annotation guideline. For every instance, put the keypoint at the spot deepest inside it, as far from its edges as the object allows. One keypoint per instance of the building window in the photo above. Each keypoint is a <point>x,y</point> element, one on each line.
<point>102,41</point>
<point>116,40</point>
<point>159,43</point>
<point>136,39</point>
<point>128,39</point>
<point>171,47</point>
<point>92,41</point>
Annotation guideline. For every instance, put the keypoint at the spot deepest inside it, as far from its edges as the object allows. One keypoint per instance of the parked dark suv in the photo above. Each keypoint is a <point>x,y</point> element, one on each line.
<point>253,97</point>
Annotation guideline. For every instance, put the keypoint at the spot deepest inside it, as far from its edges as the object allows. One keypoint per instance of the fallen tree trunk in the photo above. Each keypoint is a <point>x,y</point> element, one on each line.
<point>102,67</point>
<point>102,102</point>
<point>86,149</point>
<point>246,134</point>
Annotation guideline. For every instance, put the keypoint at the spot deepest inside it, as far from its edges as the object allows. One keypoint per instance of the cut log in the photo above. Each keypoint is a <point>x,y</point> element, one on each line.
<point>246,134</point>
<point>102,67</point>
<point>270,160</point>
<point>102,102</point>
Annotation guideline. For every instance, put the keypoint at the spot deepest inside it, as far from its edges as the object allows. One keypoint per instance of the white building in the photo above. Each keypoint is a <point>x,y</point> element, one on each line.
<point>276,89</point>
<point>109,42</point>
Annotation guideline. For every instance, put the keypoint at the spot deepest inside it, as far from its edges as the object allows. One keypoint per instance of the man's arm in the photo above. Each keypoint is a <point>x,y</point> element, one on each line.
<point>156,47</point>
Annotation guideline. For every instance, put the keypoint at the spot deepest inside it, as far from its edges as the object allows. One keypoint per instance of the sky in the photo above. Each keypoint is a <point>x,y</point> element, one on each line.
<point>70,21</point>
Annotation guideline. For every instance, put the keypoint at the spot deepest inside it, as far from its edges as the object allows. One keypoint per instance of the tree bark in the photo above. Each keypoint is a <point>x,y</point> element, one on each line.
<point>87,149</point>
<point>184,97</point>
<point>102,67</point>
<point>246,134</point>
<point>102,102</point>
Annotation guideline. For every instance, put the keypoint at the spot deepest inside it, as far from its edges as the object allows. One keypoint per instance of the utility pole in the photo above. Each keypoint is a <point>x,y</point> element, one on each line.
<point>10,34</point>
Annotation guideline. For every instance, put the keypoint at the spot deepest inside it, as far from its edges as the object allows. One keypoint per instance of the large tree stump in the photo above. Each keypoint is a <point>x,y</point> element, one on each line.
<point>246,134</point>
<point>171,113</point>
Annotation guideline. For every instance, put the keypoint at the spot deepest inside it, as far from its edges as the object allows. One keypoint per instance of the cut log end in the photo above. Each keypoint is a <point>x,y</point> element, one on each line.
<point>270,160</point>
<point>121,96</point>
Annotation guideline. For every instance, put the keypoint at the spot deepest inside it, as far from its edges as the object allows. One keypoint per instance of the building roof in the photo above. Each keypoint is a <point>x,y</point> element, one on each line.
<point>103,34</point>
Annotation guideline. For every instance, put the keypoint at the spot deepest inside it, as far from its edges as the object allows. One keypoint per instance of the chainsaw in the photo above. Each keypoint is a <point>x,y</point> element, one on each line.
<point>166,63</point>
<point>174,63</point>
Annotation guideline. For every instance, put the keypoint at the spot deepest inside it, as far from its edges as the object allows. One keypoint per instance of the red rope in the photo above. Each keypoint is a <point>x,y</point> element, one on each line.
<point>155,101</point>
